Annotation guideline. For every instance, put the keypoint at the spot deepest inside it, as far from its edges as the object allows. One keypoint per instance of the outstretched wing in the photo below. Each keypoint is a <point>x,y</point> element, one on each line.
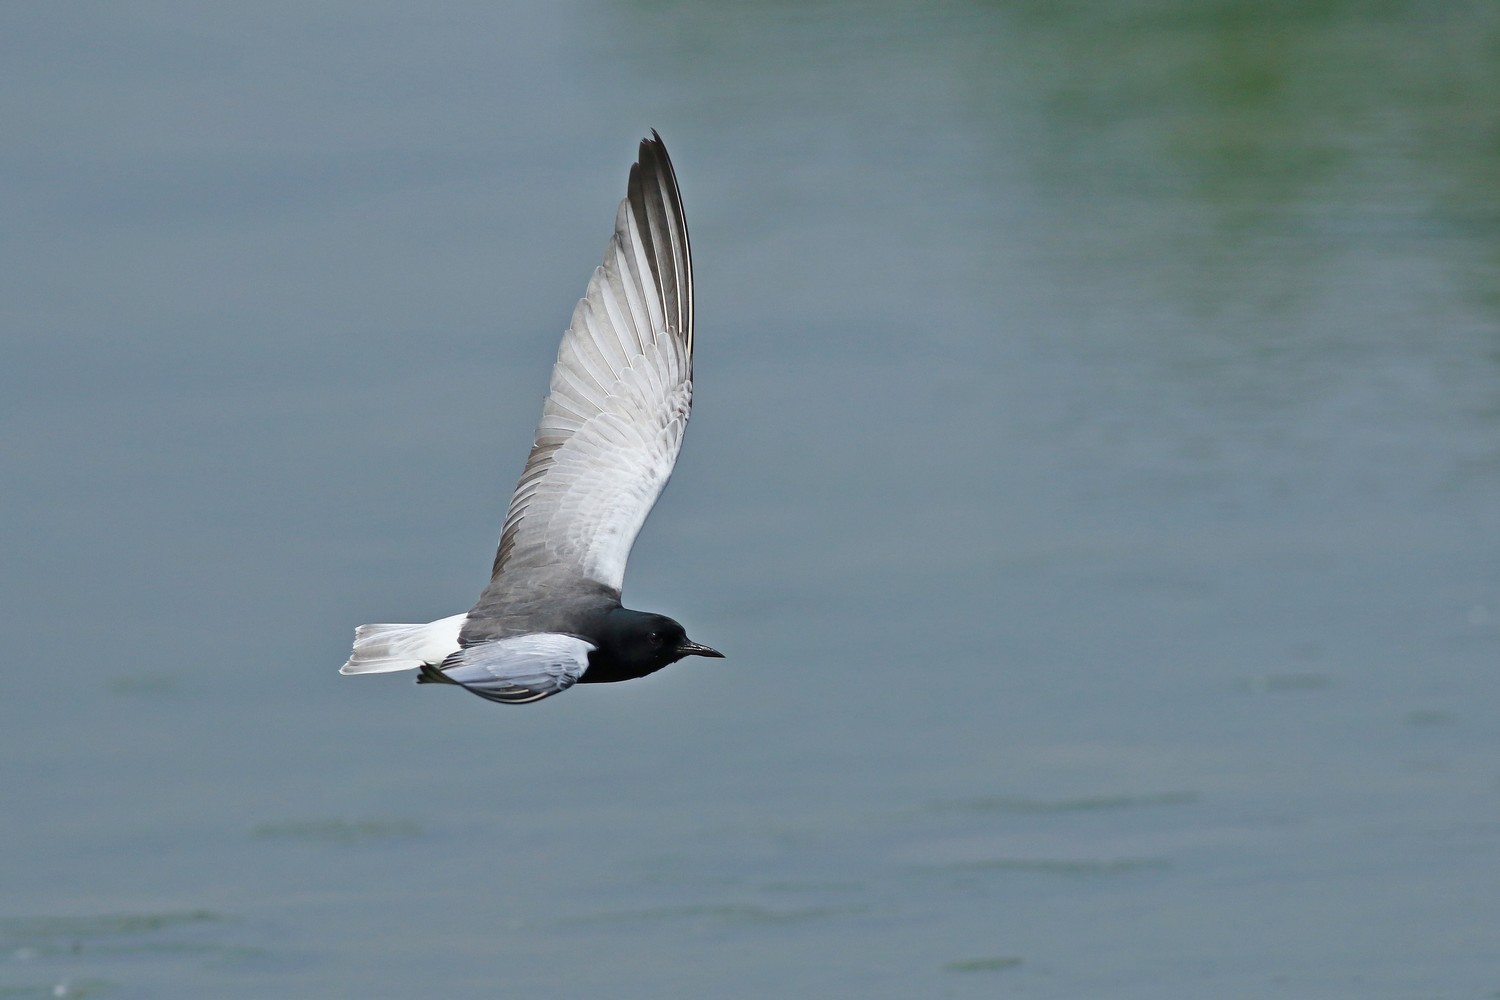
<point>613,421</point>
<point>516,670</point>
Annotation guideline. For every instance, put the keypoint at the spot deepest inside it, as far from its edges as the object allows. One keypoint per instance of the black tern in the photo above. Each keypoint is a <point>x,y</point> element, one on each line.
<point>611,428</point>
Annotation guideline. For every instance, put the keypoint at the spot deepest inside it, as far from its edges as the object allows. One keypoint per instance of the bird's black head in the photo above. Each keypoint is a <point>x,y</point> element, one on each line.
<point>634,644</point>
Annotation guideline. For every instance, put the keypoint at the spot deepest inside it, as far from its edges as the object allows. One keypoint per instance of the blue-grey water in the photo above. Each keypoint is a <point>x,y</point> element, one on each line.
<point>1095,483</point>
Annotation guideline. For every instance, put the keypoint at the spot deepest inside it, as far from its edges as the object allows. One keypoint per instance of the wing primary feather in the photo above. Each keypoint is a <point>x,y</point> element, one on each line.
<point>668,199</point>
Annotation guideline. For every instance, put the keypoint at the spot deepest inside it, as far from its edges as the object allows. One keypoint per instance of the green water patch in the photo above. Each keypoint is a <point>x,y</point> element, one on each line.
<point>338,831</point>
<point>1058,866</point>
<point>1276,683</point>
<point>66,945</point>
<point>67,989</point>
<point>724,913</point>
<point>999,963</point>
<point>1020,805</point>
<point>1423,718</point>
<point>40,932</point>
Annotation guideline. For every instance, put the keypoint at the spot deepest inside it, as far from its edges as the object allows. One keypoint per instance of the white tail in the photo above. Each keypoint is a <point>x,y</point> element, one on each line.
<point>379,649</point>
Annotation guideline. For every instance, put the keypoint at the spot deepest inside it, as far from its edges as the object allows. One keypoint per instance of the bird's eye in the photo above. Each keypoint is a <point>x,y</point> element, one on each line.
<point>654,638</point>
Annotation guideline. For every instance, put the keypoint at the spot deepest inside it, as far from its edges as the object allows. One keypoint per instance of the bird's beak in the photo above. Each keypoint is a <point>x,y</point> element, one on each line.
<point>698,649</point>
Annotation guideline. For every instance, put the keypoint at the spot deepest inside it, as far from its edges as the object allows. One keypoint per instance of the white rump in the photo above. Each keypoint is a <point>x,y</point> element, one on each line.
<point>379,649</point>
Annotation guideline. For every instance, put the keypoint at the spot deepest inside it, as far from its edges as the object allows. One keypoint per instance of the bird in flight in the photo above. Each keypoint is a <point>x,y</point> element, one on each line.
<point>610,431</point>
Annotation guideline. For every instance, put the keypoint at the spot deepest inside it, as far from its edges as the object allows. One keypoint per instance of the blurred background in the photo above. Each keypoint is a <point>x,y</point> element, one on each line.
<point>1094,482</point>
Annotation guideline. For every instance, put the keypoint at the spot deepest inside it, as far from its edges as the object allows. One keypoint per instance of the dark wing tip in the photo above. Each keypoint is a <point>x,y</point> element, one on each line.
<point>653,148</point>
<point>656,202</point>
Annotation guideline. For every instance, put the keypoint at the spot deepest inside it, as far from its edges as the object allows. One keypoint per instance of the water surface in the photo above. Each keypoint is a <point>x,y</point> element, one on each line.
<point>1093,482</point>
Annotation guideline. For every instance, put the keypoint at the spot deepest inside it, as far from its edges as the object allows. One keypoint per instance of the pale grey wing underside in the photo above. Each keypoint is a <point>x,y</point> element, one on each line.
<point>613,420</point>
<point>521,668</point>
